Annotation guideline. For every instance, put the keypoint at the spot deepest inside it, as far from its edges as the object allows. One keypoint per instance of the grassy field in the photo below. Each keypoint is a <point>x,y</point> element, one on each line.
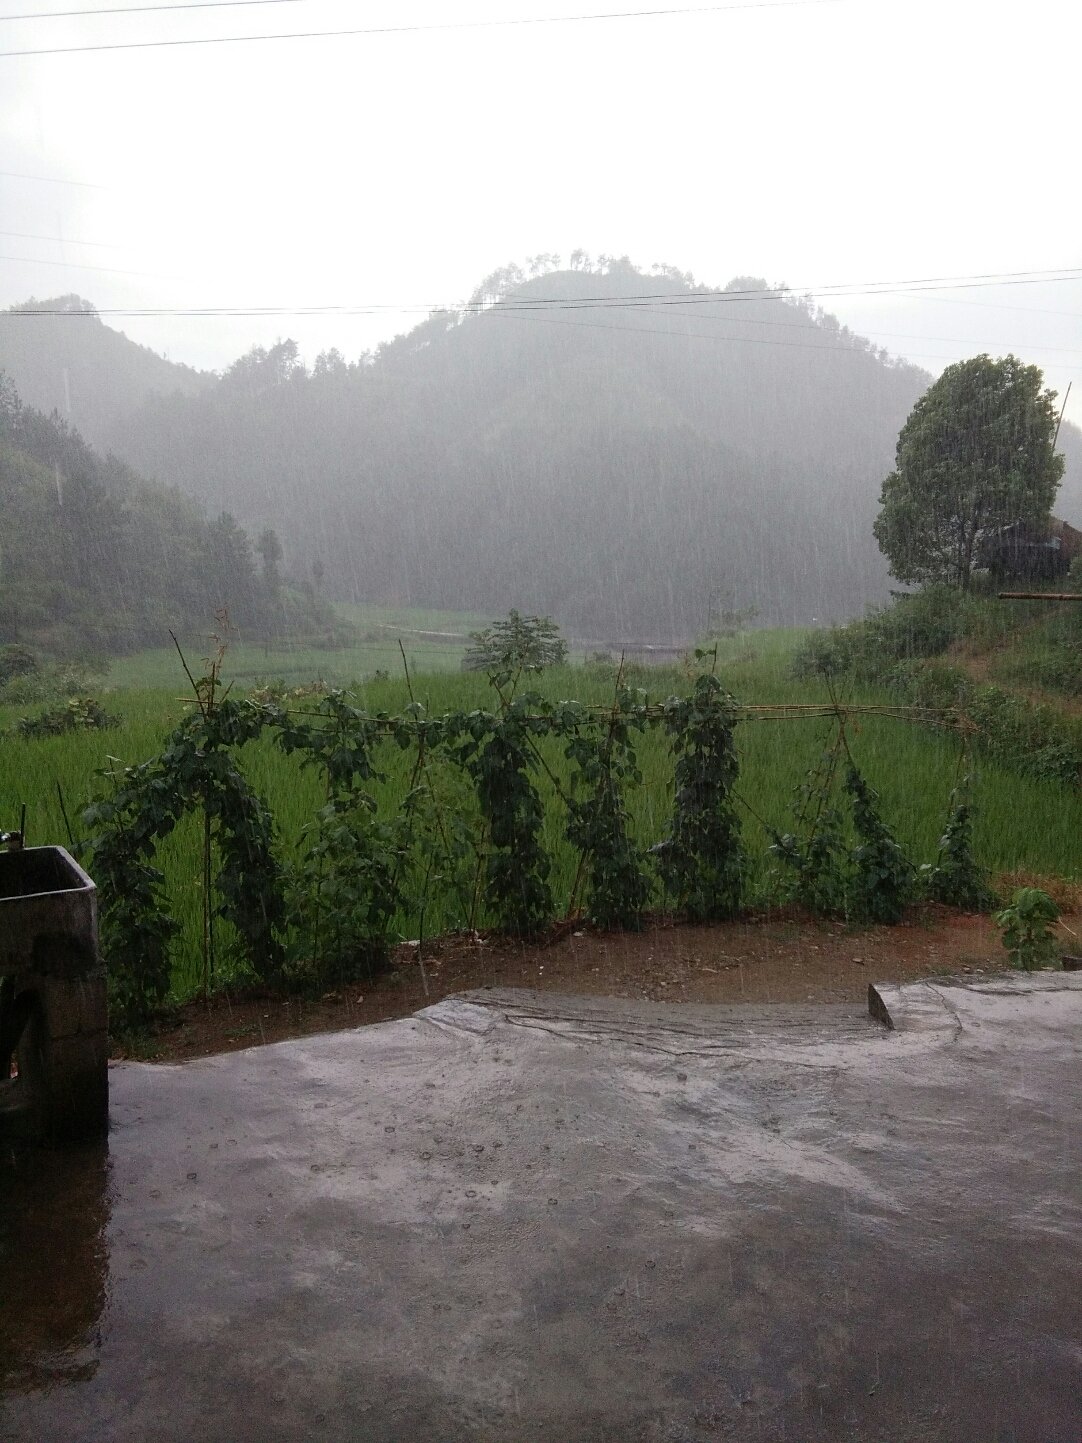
<point>1020,823</point>
<point>378,631</point>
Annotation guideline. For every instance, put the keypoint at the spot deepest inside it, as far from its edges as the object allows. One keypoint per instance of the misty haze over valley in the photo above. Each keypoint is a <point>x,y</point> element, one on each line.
<point>628,452</point>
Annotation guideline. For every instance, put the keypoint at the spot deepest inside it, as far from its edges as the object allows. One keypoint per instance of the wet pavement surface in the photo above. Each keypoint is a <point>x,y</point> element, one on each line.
<point>526,1217</point>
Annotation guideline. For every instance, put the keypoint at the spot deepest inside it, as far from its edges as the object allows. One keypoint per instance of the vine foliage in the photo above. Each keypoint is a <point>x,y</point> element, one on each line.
<point>477,819</point>
<point>598,825</point>
<point>702,861</point>
<point>496,751</point>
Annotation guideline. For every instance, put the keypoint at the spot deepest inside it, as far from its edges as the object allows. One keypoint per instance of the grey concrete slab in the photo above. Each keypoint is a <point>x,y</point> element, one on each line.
<point>525,1217</point>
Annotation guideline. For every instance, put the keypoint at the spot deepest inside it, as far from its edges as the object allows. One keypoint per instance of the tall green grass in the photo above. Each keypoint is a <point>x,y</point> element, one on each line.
<point>1020,823</point>
<point>375,647</point>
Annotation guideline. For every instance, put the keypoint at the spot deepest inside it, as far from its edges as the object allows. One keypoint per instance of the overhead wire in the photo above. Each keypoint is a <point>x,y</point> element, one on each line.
<point>651,303</point>
<point>444,26</point>
<point>51,180</point>
<point>847,333</point>
<point>145,9</point>
<point>59,239</point>
<point>80,266</point>
<point>646,300</point>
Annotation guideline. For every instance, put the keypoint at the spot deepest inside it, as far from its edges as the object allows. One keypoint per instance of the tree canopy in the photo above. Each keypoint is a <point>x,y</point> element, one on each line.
<point>977,452</point>
<point>518,643</point>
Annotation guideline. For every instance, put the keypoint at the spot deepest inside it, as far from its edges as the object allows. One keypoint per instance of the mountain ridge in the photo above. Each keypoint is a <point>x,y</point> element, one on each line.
<point>614,448</point>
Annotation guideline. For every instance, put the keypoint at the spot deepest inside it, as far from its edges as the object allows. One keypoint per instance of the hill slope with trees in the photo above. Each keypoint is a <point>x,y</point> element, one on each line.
<point>94,559</point>
<point>63,358</point>
<point>630,453</point>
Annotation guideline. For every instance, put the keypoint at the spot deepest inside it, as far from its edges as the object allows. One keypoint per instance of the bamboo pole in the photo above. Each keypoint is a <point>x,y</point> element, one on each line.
<point>1039,595</point>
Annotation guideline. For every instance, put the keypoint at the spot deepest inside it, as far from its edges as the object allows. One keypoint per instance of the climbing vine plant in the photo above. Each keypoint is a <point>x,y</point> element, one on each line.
<point>598,825</point>
<point>489,793</point>
<point>702,861</point>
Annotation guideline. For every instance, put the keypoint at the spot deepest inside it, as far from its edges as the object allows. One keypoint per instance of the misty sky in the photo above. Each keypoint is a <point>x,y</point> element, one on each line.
<point>849,141</point>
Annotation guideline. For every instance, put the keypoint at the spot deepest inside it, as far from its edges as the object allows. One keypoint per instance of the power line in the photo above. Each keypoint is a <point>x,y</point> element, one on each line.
<point>828,289</point>
<point>999,306</point>
<point>419,29</point>
<point>50,179</point>
<point>144,9</point>
<point>79,266</point>
<point>646,300</point>
<point>793,325</point>
<point>59,239</point>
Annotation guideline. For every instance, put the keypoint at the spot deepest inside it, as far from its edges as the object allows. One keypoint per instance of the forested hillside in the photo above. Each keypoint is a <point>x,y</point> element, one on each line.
<point>627,452</point>
<point>95,559</point>
<point>618,460</point>
<point>63,358</point>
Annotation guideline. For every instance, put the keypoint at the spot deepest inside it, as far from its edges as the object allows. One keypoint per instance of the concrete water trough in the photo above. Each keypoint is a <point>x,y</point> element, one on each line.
<point>53,1010</point>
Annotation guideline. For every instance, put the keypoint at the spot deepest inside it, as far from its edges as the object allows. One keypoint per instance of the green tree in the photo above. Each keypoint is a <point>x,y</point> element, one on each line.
<point>976,453</point>
<point>519,643</point>
<point>270,551</point>
<point>230,571</point>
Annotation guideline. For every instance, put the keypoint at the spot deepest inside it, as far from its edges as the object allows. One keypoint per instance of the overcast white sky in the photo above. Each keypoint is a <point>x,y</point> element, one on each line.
<point>818,144</point>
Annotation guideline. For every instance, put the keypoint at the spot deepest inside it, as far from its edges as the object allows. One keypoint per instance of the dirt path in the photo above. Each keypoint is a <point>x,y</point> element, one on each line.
<point>779,957</point>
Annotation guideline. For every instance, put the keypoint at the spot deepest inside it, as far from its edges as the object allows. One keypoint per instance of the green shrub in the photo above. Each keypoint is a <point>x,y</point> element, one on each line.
<point>956,878</point>
<point>52,683</point>
<point>1027,929</point>
<point>16,660</point>
<point>1031,738</point>
<point>923,624</point>
<point>883,878</point>
<point>702,863</point>
<point>79,713</point>
<point>817,852</point>
<point>514,645</point>
<point>344,894</point>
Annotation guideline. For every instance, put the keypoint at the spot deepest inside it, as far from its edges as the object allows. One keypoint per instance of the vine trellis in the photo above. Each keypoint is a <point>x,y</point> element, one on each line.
<point>333,909</point>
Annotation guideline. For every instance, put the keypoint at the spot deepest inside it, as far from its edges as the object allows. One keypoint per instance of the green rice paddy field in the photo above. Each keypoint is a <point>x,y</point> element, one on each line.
<point>1020,824</point>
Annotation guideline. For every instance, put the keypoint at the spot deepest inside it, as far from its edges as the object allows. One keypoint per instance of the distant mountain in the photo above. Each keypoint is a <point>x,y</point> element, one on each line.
<point>627,452</point>
<point>64,359</point>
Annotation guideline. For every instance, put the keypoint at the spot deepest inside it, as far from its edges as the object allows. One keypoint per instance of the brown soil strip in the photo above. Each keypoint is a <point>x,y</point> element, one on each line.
<point>776,957</point>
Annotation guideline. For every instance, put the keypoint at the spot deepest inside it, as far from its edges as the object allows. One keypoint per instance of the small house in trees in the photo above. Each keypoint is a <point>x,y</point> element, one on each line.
<point>1022,551</point>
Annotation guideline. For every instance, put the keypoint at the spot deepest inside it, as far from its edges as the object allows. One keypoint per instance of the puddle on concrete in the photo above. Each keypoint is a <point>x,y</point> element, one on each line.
<point>54,1265</point>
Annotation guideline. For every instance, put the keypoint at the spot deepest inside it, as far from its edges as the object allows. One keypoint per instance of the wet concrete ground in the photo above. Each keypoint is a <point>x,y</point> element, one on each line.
<point>548,1219</point>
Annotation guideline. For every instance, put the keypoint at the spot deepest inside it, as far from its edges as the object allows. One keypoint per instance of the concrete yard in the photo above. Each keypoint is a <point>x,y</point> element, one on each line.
<point>546,1219</point>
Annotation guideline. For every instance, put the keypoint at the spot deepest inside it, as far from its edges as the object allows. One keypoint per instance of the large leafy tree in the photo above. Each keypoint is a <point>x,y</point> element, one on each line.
<point>976,453</point>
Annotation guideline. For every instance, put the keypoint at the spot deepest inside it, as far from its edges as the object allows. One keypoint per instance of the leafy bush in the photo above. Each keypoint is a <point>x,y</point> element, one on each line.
<point>702,861</point>
<point>343,895</point>
<point>498,754</point>
<point>829,653</point>
<point>817,852</point>
<point>872,880</point>
<point>52,683</point>
<point>955,878</point>
<point>923,624</point>
<point>79,713</point>
<point>1053,668</point>
<point>883,879</point>
<point>1029,737</point>
<point>517,644</point>
<point>16,660</point>
<point>1027,929</point>
<point>598,823</point>
<point>914,627</point>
